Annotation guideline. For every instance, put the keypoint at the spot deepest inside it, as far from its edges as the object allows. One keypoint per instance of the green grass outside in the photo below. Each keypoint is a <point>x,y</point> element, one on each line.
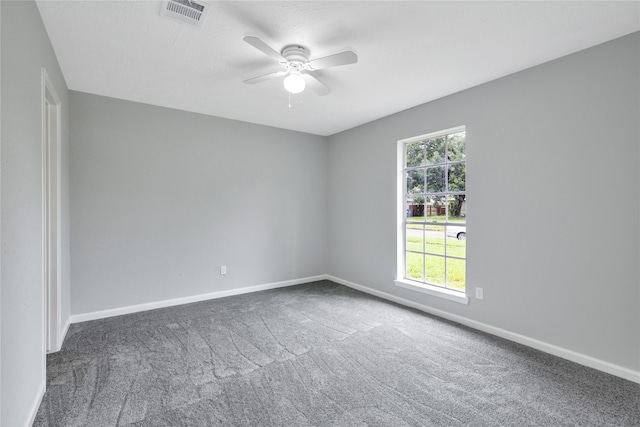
<point>435,269</point>
<point>435,246</point>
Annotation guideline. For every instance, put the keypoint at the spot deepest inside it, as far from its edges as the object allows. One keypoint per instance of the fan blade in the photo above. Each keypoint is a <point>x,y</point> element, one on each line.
<point>316,85</point>
<point>344,58</point>
<point>264,48</point>
<point>263,77</point>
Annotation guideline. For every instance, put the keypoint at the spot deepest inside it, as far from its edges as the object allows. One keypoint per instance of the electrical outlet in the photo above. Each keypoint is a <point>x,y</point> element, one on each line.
<point>223,269</point>
<point>479,293</point>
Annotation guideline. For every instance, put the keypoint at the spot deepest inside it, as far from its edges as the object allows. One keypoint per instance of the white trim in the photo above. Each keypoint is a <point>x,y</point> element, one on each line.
<point>44,216</point>
<point>401,213</point>
<point>76,318</point>
<point>33,410</point>
<point>51,100</point>
<point>434,291</point>
<point>402,278</point>
<point>433,134</point>
<point>582,359</point>
<point>63,335</point>
<point>564,353</point>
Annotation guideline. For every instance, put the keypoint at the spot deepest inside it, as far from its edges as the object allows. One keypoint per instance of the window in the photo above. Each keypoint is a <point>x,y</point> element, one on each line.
<point>433,229</point>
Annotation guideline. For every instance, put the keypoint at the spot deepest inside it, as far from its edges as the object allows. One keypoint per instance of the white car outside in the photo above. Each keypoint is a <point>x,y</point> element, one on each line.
<point>459,233</point>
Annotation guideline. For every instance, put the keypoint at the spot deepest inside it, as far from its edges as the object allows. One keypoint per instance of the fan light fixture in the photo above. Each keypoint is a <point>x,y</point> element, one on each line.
<point>298,70</point>
<point>294,83</point>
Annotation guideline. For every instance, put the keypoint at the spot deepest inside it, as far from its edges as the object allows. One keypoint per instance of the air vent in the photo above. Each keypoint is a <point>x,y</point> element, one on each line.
<point>190,12</point>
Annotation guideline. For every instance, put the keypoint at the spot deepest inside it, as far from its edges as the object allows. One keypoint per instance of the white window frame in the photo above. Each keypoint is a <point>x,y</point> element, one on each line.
<point>401,280</point>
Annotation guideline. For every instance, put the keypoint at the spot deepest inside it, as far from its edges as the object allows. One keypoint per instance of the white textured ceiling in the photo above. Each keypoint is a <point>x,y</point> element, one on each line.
<point>409,52</point>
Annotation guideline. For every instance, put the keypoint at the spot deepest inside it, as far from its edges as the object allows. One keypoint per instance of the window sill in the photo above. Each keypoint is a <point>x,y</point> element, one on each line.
<point>433,291</point>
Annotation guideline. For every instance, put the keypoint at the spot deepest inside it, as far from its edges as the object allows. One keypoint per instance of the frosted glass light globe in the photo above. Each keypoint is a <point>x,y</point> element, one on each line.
<point>294,83</point>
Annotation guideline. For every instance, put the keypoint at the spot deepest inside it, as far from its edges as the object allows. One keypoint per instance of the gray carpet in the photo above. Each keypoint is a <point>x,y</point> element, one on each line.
<point>318,354</point>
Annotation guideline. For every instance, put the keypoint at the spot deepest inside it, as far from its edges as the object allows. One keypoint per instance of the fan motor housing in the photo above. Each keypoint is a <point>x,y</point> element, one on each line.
<point>295,53</point>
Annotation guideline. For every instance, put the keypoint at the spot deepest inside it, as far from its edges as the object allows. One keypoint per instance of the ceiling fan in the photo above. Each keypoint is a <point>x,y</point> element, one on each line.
<point>295,66</point>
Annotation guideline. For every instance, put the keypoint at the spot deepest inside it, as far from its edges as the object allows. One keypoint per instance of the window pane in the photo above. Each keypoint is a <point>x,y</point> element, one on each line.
<point>435,179</point>
<point>456,272</point>
<point>415,181</point>
<point>415,237</point>
<point>435,208</point>
<point>415,208</point>
<point>457,208</point>
<point>457,241</point>
<point>435,150</point>
<point>457,177</point>
<point>435,269</point>
<point>415,154</point>
<point>456,147</point>
<point>415,266</point>
<point>434,239</point>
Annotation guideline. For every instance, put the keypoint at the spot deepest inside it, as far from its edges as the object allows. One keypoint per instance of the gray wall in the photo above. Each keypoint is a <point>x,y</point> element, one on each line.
<point>162,198</point>
<point>25,49</point>
<point>553,231</point>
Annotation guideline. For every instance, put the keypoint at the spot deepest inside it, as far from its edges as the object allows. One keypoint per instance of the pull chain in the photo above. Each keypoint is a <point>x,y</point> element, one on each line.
<point>289,99</point>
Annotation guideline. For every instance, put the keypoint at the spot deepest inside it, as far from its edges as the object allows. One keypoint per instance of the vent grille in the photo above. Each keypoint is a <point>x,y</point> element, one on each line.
<point>190,12</point>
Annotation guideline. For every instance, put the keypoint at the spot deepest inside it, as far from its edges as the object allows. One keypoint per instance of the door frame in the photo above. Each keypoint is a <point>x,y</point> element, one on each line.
<point>51,214</point>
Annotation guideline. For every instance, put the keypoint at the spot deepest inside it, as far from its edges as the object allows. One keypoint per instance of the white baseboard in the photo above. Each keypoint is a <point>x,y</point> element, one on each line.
<point>76,318</point>
<point>33,410</point>
<point>564,353</point>
<point>63,335</point>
